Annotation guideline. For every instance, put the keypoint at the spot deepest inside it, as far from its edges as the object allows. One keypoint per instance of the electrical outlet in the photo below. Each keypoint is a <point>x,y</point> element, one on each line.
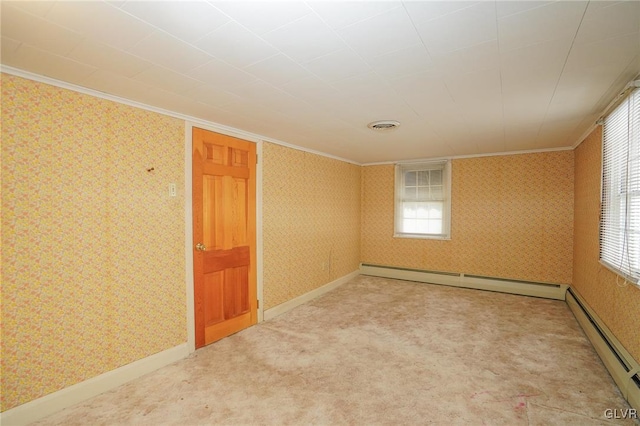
<point>172,190</point>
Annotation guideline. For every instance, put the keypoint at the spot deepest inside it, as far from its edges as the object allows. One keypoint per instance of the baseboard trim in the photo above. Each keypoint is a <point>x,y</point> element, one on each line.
<point>64,398</point>
<point>287,306</point>
<point>618,361</point>
<point>524,288</point>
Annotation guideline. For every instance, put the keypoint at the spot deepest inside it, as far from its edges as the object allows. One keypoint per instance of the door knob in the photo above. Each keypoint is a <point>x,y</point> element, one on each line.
<point>201,247</point>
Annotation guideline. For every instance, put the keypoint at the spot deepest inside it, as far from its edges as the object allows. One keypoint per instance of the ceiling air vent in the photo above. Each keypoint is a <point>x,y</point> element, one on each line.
<point>383,125</point>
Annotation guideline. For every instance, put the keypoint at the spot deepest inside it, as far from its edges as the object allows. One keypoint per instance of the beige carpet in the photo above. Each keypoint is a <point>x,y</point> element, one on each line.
<point>379,351</point>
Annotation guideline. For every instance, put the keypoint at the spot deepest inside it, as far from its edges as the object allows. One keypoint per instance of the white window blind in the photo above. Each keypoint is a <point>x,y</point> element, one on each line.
<point>620,215</point>
<point>423,200</point>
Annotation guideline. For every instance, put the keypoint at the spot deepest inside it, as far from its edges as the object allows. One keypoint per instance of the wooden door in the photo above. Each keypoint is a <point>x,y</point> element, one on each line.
<point>224,235</point>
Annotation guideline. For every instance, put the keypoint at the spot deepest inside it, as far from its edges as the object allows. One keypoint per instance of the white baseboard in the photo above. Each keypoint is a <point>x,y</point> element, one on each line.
<point>57,401</point>
<point>287,306</point>
<point>618,361</point>
<point>548,291</point>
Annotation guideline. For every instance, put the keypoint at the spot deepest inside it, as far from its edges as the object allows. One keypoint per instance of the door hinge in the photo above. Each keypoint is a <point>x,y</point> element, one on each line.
<point>256,158</point>
<point>258,304</point>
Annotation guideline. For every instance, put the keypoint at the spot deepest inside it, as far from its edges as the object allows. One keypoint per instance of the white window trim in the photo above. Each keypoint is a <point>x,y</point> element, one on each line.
<point>611,200</point>
<point>424,165</point>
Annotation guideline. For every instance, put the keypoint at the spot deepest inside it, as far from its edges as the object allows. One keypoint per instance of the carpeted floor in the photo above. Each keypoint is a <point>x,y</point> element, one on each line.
<point>380,351</point>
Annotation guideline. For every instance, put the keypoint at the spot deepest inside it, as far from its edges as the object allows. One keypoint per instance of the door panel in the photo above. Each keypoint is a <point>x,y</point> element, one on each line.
<point>224,222</point>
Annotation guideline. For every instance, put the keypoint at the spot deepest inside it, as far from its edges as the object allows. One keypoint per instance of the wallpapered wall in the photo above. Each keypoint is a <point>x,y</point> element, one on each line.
<point>311,221</point>
<point>616,304</point>
<point>92,245</point>
<point>512,217</point>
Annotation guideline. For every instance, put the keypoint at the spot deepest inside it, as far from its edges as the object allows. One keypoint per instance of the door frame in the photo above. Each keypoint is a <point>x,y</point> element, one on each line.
<point>188,218</point>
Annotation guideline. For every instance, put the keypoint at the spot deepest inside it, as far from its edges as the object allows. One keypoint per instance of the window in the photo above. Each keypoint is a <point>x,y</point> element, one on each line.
<point>423,200</point>
<point>620,216</point>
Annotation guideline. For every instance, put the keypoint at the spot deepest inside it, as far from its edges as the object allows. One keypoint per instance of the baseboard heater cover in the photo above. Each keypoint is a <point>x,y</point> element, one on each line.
<point>502,285</point>
<point>622,367</point>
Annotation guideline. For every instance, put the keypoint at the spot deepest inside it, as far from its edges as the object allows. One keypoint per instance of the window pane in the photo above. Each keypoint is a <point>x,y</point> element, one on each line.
<point>437,192</point>
<point>423,192</point>
<point>423,177</point>
<point>436,177</point>
<point>435,210</point>
<point>411,193</point>
<point>410,179</point>
<point>434,226</point>
<point>423,210</point>
<point>409,210</point>
<point>410,226</point>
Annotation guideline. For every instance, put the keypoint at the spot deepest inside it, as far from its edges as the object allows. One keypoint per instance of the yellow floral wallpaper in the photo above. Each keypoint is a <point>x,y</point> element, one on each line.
<point>512,217</point>
<point>92,244</point>
<point>616,304</point>
<point>311,216</point>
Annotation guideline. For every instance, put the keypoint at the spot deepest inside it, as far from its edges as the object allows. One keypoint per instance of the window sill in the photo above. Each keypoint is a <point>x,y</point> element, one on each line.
<point>620,274</point>
<point>423,236</point>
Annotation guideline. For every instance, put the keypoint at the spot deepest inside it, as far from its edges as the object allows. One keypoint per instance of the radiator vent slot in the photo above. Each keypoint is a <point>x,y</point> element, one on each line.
<point>454,279</point>
<point>450,274</point>
<point>622,367</point>
<point>480,277</point>
<point>623,362</point>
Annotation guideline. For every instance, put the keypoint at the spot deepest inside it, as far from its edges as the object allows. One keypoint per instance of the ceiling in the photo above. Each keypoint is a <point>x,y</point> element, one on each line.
<point>463,78</point>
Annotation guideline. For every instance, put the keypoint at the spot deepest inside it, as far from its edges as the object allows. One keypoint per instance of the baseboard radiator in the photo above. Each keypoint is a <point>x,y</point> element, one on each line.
<point>624,369</point>
<point>525,288</point>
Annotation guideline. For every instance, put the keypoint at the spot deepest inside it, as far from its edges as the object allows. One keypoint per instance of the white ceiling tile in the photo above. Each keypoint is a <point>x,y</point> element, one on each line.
<point>522,143</point>
<point>8,45</point>
<point>338,65</point>
<point>214,96</point>
<point>186,20</point>
<point>506,8</point>
<point>263,16</point>
<point>426,83</point>
<point>167,79</point>
<point>341,14</point>
<point>606,57</point>
<point>170,101</point>
<point>555,134</point>
<point>236,45</point>
<point>44,63</point>
<point>311,89</point>
<point>100,21</point>
<point>108,58</point>
<point>305,39</point>
<point>362,84</point>
<point>481,88</point>
<point>364,109</point>
<point>27,28</point>
<point>521,136</point>
<point>263,93</point>
<point>115,84</point>
<point>219,74</point>
<point>381,34</point>
<point>491,143</point>
<point>479,57</point>
<point>204,111</point>
<point>163,49</point>
<point>555,21</point>
<point>277,70</point>
<point>614,19</point>
<point>525,110</point>
<point>529,77</point>
<point>38,8</point>
<point>458,30</point>
<point>423,11</point>
<point>410,60</point>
